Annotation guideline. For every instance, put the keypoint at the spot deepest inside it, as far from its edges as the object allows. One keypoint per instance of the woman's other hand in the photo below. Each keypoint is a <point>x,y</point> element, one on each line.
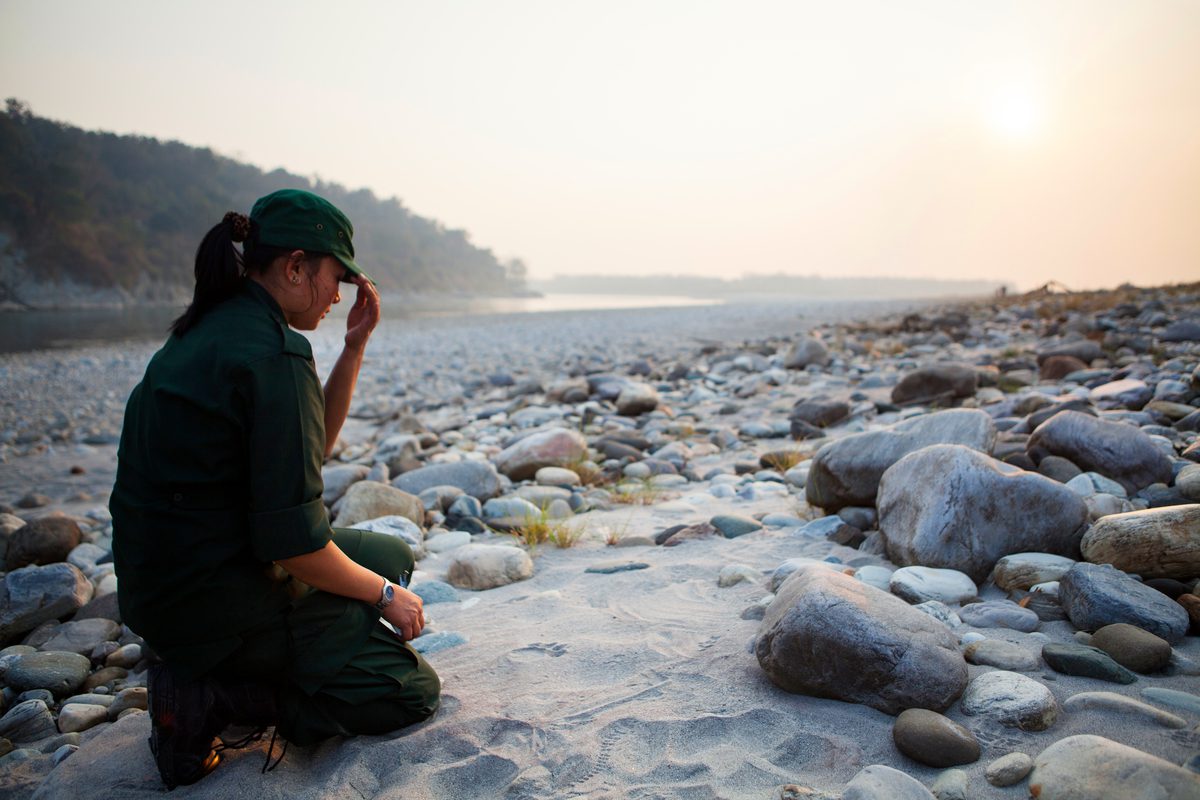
<point>406,613</point>
<point>364,314</point>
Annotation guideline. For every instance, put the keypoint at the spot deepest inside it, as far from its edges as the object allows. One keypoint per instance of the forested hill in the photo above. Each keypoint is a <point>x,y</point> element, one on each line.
<point>85,214</point>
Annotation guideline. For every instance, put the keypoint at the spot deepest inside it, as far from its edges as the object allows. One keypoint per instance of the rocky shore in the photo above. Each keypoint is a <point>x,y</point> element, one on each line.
<point>730,551</point>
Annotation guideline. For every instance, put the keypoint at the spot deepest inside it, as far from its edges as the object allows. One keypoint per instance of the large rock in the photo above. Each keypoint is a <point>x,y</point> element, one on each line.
<point>919,584</point>
<point>950,506</point>
<point>828,635</point>
<point>822,413</point>
<point>31,595</point>
<point>846,472</point>
<point>1115,449</point>
<point>1184,330</point>
<point>371,500</point>
<point>339,477</point>
<point>1055,368</point>
<point>1024,570</point>
<point>1132,647</point>
<point>806,351</point>
<point>1095,595</point>
<point>60,673</point>
<point>27,722</point>
<point>1085,350</point>
<point>1072,658</point>
<point>83,636</point>
<point>637,398</point>
<point>937,382</point>
<point>43,541</point>
<point>1094,768</point>
<point>1011,699</point>
<point>486,566</point>
<point>934,740</point>
<point>557,447</point>
<point>398,526</point>
<point>1155,543</point>
<point>880,782</point>
<point>1128,393</point>
<point>1188,482</point>
<point>476,478</point>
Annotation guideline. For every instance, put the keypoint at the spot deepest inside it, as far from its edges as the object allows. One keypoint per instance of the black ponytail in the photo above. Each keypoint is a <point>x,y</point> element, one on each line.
<point>218,269</point>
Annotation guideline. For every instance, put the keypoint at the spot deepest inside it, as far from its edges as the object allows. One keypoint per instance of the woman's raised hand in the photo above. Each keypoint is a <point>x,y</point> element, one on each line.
<point>406,613</point>
<point>364,314</point>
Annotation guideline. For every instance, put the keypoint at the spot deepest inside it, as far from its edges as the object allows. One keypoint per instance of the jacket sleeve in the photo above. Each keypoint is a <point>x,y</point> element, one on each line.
<point>287,444</point>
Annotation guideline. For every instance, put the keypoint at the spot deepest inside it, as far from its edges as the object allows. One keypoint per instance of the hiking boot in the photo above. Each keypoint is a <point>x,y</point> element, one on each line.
<point>183,724</point>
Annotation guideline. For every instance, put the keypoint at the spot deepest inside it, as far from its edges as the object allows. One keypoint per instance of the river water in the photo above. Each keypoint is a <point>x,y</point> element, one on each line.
<point>21,331</point>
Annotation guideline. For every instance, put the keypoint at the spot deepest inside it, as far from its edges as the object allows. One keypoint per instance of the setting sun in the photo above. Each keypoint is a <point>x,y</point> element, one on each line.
<point>1014,114</point>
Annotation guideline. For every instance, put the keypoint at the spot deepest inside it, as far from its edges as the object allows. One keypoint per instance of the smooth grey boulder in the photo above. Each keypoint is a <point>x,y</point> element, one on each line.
<point>557,447</point>
<point>1024,570</point>
<point>1127,393</point>
<point>999,614</point>
<point>1183,330</point>
<point>937,382</point>
<point>1008,769</point>
<point>1114,449</point>
<point>486,566</point>
<point>339,477</point>
<point>1085,350</point>
<point>372,500</point>
<point>879,782</point>
<point>952,507</point>
<point>61,673</point>
<point>1095,595</point>
<point>398,526</point>
<point>1155,543</point>
<point>637,398</point>
<point>1001,654</point>
<point>82,636</point>
<point>919,584</point>
<point>1091,768</point>
<point>474,477</point>
<point>27,722</point>
<point>829,635</point>
<point>821,413</point>
<point>806,351</point>
<point>846,472</point>
<point>31,595</point>
<point>1011,699</point>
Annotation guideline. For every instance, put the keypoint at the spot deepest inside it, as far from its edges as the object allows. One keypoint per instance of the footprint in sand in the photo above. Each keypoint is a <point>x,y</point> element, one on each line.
<point>539,650</point>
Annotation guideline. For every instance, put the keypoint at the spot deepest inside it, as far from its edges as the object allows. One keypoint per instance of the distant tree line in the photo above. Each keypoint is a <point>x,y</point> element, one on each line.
<point>105,210</point>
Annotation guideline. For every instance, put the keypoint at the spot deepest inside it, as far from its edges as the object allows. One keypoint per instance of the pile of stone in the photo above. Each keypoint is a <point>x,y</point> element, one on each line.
<point>999,469</point>
<point>74,667</point>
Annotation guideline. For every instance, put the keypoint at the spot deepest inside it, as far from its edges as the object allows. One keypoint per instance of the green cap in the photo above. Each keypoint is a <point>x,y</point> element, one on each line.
<point>304,221</point>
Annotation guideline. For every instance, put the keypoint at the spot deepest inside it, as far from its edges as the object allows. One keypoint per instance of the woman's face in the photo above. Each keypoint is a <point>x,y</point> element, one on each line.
<point>325,291</point>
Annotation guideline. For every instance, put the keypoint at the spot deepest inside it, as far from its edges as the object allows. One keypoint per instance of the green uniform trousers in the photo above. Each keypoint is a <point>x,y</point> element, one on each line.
<point>339,671</point>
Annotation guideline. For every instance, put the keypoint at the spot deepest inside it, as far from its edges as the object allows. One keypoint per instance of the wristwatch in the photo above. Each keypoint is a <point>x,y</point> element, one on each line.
<point>386,596</point>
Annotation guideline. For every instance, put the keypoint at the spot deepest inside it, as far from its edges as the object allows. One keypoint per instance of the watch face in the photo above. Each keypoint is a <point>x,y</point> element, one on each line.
<point>389,593</point>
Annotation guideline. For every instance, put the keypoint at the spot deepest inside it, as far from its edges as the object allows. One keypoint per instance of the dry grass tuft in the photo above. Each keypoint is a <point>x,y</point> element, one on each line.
<point>641,492</point>
<point>783,460</point>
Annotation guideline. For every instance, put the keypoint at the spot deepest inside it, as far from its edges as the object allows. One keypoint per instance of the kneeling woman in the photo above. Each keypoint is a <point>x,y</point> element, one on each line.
<point>219,484</point>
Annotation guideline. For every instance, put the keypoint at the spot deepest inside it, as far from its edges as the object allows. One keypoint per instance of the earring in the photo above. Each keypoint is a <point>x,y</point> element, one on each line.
<point>295,279</point>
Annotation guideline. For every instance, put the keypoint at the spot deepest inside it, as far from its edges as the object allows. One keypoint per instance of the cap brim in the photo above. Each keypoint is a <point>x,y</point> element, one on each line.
<point>353,267</point>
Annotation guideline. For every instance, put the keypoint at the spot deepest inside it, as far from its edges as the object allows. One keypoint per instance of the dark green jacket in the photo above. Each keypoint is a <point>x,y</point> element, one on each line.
<point>219,474</point>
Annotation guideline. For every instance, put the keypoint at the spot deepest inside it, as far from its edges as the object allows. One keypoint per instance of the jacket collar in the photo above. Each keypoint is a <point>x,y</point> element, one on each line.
<point>254,290</point>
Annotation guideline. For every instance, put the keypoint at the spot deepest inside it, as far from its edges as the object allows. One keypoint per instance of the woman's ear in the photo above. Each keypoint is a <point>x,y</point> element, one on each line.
<point>294,266</point>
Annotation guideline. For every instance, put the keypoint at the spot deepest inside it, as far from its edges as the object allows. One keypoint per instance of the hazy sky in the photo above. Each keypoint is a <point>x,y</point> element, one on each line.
<point>1024,141</point>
